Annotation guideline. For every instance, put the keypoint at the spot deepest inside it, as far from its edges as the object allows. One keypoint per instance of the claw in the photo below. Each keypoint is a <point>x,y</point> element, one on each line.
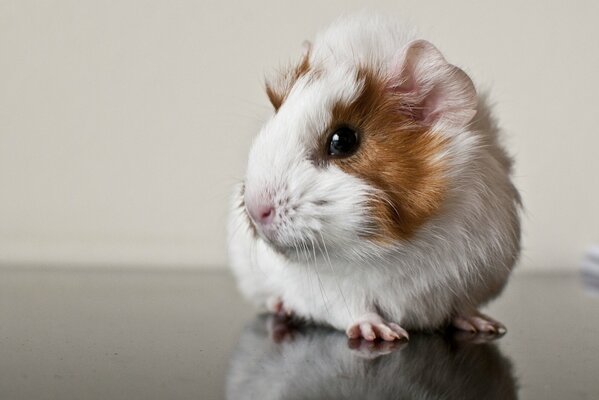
<point>478,322</point>
<point>372,326</point>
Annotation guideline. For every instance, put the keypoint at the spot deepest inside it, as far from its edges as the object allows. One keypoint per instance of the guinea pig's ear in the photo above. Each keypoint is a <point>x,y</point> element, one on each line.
<point>278,87</point>
<point>432,90</point>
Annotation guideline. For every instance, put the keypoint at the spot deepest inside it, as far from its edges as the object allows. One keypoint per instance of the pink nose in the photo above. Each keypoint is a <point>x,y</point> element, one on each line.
<point>262,214</point>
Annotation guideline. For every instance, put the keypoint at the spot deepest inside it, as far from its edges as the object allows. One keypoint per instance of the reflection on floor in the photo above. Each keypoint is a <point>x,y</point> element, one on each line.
<point>276,359</point>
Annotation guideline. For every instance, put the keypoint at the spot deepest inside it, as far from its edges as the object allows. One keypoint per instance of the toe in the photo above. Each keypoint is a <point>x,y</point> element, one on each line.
<point>386,333</point>
<point>482,325</point>
<point>401,332</point>
<point>479,323</point>
<point>353,332</point>
<point>372,326</point>
<point>464,324</point>
<point>367,331</point>
<point>497,326</point>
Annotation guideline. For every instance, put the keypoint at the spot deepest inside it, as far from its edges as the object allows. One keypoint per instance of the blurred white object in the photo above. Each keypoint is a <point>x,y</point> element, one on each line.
<point>590,270</point>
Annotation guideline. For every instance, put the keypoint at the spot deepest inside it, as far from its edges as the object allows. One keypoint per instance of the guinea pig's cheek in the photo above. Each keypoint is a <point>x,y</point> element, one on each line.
<point>401,204</point>
<point>408,180</point>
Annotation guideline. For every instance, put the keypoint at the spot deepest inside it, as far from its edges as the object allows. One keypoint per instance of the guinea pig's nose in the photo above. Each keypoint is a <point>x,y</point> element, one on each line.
<point>262,214</point>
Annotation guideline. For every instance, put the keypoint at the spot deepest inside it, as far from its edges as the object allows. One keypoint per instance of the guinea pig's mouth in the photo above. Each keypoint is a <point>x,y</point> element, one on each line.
<point>287,250</point>
<point>299,250</point>
<point>259,234</point>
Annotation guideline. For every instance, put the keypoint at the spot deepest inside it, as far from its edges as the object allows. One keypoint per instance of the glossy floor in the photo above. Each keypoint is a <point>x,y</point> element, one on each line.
<point>110,334</point>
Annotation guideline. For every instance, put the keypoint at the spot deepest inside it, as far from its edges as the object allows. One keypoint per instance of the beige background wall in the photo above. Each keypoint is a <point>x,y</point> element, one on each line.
<point>123,124</point>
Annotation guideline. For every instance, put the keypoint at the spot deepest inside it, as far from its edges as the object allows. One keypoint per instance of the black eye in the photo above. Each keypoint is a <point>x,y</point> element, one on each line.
<point>343,142</point>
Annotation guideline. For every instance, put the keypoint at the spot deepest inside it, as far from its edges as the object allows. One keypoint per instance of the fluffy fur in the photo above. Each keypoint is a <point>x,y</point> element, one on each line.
<point>419,228</point>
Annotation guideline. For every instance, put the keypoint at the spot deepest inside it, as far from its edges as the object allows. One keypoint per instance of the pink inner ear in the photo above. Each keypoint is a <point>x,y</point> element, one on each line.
<point>412,103</point>
<point>430,107</point>
<point>431,89</point>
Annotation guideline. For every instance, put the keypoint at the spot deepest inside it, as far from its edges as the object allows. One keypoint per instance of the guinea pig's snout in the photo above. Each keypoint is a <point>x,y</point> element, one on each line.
<point>262,213</point>
<point>268,209</point>
<point>260,206</point>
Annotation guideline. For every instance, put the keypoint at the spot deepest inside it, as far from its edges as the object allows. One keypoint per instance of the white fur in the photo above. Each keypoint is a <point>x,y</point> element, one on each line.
<point>457,261</point>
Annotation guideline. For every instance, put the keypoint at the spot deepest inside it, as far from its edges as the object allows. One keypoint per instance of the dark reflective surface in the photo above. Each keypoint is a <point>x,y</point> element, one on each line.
<point>74,333</point>
<point>277,360</point>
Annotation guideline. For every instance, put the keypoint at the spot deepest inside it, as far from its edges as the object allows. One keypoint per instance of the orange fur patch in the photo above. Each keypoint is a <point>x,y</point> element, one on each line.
<point>396,155</point>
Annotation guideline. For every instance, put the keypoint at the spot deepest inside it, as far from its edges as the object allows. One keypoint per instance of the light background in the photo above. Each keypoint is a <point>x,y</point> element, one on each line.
<point>123,124</point>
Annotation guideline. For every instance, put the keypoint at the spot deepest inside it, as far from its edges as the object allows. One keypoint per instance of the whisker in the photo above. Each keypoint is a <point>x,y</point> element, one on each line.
<point>320,285</point>
<point>334,275</point>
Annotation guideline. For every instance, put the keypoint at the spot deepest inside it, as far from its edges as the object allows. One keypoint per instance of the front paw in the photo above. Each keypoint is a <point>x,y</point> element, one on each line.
<point>371,326</point>
<point>276,306</point>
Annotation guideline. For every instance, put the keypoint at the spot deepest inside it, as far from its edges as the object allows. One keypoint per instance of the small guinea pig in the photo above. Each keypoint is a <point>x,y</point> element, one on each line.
<point>377,198</point>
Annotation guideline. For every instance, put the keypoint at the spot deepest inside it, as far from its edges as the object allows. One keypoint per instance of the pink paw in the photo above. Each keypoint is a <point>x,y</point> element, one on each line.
<point>478,322</point>
<point>371,326</point>
<point>276,306</point>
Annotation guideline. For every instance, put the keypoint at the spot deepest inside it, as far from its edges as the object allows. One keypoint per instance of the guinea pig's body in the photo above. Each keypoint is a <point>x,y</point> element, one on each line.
<point>377,198</point>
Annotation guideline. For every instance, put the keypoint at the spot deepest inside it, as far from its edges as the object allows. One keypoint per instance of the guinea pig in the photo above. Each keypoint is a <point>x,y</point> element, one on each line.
<point>377,198</point>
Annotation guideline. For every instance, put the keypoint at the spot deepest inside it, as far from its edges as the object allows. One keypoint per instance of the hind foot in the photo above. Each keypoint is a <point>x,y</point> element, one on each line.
<point>478,322</point>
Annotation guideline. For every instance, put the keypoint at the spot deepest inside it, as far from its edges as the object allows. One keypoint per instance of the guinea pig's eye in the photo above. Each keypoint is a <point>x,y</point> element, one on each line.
<point>343,142</point>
